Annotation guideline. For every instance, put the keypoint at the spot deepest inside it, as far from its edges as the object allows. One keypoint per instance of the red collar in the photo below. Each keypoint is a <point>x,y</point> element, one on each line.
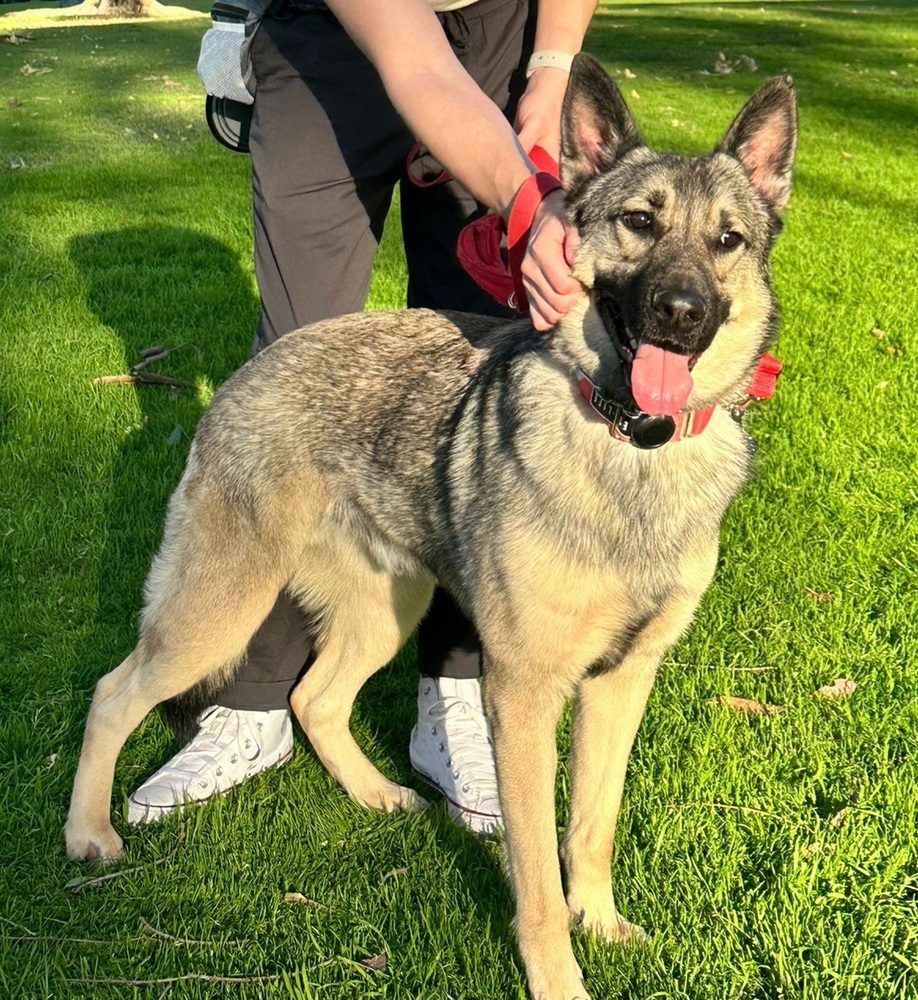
<point>648,431</point>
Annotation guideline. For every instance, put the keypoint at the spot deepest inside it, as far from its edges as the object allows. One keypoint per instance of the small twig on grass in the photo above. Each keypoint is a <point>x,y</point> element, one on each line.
<point>51,939</point>
<point>82,882</point>
<point>724,805</point>
<point>717,666</point>
<point>201,977</point>
<point>147,378</point>
<point>150,360</point>
<point>21,927</point>
<point>154,932</point>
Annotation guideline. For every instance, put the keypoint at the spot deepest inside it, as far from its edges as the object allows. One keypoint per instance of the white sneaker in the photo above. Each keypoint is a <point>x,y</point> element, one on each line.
<point>229,747</point>
<point>451,749</point>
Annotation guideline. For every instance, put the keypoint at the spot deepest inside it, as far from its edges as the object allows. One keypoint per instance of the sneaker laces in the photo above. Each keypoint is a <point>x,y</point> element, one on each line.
<point>219,729</point>
<point>467,739</point>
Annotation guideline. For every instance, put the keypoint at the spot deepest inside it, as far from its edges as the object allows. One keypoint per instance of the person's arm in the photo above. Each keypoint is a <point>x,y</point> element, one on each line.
<point>560,28</point>
<point>464,129</point>
<point>440,102</point>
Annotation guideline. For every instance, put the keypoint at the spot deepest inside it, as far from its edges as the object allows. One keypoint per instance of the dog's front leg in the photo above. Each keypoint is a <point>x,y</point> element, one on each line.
<point>608,708</point>
<point>607,712</point>
<point>523,723</point>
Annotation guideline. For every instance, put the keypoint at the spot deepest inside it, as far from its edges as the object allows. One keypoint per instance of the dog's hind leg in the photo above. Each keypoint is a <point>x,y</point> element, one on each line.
<point>370,619</point>
<point>198,627</point>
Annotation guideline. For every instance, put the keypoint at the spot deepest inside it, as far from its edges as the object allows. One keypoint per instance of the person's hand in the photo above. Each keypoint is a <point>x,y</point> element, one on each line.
<point>546,268</point>
<point>538,116</point>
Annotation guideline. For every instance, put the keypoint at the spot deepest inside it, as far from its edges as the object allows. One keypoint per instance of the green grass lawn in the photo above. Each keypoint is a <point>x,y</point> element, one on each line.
<point>770,856</point>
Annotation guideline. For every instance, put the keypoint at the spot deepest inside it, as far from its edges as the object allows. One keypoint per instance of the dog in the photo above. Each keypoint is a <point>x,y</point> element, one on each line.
<point>567,489</point>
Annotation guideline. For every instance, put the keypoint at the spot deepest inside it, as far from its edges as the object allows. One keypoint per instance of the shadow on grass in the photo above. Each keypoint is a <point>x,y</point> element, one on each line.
<point>154,285</point>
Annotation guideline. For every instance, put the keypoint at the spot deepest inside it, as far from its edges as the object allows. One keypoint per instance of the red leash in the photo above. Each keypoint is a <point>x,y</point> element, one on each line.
<point>480,245</point>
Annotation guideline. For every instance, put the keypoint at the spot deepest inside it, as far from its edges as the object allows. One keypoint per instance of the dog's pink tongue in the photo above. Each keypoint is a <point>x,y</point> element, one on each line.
<point>660,380</point>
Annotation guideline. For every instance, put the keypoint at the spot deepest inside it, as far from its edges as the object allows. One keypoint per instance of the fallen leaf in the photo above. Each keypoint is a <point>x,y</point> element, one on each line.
<point>628,75</point>
<point>878,333</point>
<point>298,897</point>
<point>841,687</point>
<point>839,817</point>
<point>14,102</point>
<point>17,163</point>
<point>748,705</point>
<point>14,39</point>
<point>175,436</point>
<point>29,70</point>
<point>376,962</point>
<point>394,873</point>
<point>820,595</point>
<point>750,63</point>
<point>635,95</point>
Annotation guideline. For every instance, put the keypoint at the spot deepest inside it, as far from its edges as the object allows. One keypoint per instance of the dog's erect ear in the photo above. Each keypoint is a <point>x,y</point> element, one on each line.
<point>596,125</point>
<point>763,138</point>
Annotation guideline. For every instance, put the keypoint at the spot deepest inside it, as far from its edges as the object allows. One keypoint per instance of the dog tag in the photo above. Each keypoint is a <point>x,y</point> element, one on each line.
<point>651,431</point>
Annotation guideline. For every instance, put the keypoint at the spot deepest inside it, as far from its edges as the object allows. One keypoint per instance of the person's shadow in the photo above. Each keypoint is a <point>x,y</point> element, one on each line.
<point>153,286</point>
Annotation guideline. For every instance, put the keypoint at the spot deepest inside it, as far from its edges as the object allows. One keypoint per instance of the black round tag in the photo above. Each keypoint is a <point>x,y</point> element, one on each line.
<point>649,431</point>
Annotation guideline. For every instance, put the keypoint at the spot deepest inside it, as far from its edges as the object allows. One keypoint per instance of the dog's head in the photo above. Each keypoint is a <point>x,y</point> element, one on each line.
<point>675,248</point>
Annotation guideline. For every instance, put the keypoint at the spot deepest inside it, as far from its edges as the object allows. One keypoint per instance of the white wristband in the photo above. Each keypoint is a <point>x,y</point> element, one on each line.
<point>549,57</point>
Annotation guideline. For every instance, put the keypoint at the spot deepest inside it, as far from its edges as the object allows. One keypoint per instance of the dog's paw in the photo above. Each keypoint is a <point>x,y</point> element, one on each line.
<point>556,980</point>
<point>395,798</point>
<point>410,801</point>
<point>93,845</point>
<point>574,990</point>
<point>620,932</point>
<point>607,923</point>
<point>579,993</point>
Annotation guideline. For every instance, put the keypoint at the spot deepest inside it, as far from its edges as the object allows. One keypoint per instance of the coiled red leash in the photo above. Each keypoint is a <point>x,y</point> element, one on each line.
<point>480,247</point>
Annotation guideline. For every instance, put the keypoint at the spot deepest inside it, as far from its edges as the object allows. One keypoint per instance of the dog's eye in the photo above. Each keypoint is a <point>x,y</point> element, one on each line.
<point>638,220</point>
<point>729,240</point>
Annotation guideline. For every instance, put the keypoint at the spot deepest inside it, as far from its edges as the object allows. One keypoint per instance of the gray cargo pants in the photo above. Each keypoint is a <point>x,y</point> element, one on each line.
<point>327,151</point>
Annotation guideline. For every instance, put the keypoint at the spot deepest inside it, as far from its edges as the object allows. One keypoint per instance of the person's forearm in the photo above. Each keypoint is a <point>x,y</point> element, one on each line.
<point>562,24</point>
<point>440,102</point>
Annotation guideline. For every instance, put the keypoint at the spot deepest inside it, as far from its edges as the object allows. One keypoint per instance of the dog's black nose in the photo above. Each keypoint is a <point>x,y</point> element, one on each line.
<point>681,309</point>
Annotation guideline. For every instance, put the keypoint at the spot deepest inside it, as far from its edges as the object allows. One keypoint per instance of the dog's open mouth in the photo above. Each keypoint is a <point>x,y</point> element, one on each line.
<point>660,378</point>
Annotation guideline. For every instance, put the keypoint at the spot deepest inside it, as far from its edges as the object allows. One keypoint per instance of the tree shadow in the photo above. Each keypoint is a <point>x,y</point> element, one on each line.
<point>137,281</point>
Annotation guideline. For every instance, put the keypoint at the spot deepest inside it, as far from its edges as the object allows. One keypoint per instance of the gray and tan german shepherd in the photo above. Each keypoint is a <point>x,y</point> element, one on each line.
<point>361,460</point>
